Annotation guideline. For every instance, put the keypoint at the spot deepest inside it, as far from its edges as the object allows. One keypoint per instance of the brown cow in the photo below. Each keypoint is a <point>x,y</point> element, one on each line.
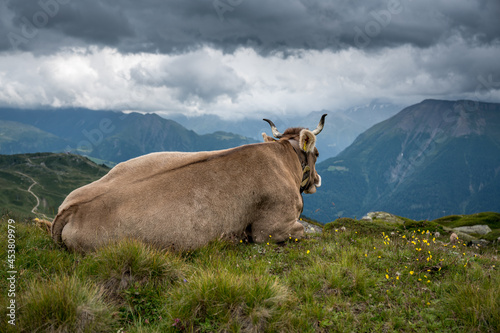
<point>185,200</point>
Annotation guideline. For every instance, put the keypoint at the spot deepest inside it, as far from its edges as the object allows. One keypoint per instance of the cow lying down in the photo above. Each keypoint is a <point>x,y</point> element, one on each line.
<point>182,201</point>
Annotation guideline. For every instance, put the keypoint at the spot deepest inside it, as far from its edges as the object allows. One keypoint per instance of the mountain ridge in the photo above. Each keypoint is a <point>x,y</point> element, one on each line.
<point>107,135</point>
<point>431,158</point>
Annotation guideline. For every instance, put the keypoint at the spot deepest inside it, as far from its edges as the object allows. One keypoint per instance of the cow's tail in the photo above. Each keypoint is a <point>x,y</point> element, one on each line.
<point>59,223</point>
<point>43,224</point>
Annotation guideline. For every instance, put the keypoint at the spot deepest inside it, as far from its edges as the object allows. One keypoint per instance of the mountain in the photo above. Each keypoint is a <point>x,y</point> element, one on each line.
<point>431,159</point>
<point>54,175</point>
<point>17,138</point>
<point>341,126</point>
<point>107,135</point>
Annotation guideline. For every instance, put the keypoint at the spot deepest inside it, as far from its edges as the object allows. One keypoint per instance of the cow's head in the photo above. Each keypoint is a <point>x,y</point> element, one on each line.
<point>304,143</point>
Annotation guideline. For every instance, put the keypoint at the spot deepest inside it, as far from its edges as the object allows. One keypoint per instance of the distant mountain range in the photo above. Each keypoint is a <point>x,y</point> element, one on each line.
<point>106,135</point>
<point>341,126</point>
<point>432,159</point>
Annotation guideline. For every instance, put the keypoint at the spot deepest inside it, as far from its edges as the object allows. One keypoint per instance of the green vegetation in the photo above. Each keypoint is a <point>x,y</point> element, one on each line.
<point>368,277</point>
<point>490,219</point>
<point>453,221</point>
<point>56,176</point>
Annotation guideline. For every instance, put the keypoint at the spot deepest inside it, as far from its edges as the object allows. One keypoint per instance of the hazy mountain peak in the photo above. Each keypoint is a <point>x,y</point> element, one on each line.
<point>431,157</point>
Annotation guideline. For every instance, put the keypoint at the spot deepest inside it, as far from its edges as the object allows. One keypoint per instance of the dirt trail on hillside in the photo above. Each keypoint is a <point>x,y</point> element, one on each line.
<point>32,193</point>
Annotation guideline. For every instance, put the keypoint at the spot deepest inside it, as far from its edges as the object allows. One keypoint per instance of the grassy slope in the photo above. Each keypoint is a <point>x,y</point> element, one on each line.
<point>490,219</point>
<point>57,175</point>
<point>363,279</point>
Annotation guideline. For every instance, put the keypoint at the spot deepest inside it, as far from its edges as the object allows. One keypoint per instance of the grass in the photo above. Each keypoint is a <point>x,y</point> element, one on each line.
<point>65,303</point>
<point>364,278</point>
<point>56,176</point>
<point>491,219</point>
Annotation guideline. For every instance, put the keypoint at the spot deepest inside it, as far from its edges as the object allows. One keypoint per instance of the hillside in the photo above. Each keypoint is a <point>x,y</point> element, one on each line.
<point>432,159</point>
<point>56,175</point>
<point>354,277</point>
<point>106,135</point>
<point>18,138</point>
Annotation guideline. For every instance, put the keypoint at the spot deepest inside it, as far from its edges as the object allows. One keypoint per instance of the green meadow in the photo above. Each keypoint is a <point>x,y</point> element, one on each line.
<point>356,276</point>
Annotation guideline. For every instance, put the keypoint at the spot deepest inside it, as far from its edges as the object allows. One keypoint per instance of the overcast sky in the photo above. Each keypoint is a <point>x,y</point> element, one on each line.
<point>246,57</point>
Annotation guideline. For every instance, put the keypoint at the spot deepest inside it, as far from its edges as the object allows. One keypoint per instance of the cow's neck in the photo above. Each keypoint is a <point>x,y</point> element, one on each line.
<point>306,170</point>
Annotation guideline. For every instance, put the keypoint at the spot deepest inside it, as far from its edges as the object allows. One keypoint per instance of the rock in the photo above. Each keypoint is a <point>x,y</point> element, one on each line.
<point>453,238</point>
<point>481,229</point>
<point>310,228</point>
<point>478,243</point>
<point>386,217</point>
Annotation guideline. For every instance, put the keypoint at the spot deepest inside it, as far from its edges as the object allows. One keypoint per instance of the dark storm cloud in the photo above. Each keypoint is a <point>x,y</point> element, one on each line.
<point>177,26</point>
<point>56,23</point>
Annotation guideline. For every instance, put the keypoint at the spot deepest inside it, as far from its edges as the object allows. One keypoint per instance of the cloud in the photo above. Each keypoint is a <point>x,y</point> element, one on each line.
<point>196,75</point>
<point>180,26</point>
<point>243,57</point>
<point>245,82</point>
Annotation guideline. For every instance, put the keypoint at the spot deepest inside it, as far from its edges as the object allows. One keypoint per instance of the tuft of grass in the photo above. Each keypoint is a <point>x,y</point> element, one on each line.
<point>427,225</point>
<point>221,300</point>
<point>364,226</point>
<point>124,264</point>
<point>65,304</point>
<point>135,276</point>
<point>475,301</point>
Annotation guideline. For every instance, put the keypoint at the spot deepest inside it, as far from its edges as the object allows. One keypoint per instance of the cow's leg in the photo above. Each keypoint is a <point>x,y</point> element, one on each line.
<point>277,231</point>
<point>280,223</point>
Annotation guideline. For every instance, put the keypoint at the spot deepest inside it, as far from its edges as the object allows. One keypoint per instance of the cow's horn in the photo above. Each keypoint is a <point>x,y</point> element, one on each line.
<point>320,125</point>
<point>275,131</point>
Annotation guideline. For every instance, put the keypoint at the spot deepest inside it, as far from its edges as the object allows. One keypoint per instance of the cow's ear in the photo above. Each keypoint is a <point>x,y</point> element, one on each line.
<point>307,140</point>
<point>267,138</point>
